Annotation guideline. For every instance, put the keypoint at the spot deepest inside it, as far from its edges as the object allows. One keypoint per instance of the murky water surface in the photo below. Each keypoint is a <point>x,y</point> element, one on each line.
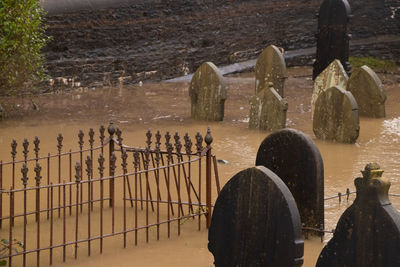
<point>166,107</point>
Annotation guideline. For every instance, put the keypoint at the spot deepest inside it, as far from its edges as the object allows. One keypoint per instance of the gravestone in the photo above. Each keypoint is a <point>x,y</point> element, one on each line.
<point>268,110</point>
<point>295,158</point>
<point>368,232</point>
<point>367,89</point>
<point>333,35</point>
<point>333,75</point>
<point>207,93</point>
<point>336,116</point>
<point>256,222</point>
<point>270,68</point>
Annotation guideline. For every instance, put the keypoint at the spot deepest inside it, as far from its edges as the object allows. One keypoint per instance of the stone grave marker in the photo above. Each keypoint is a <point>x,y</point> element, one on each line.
<point>207,93</point>
<point>256,222</point>
<point>367,89</point>
<point>336,116</point>
<point>270,68</point>
<point>333,35</point>
<point>368,232</point>
<point>268,110</point>
<point>333,75</point>
<point>295,158</point>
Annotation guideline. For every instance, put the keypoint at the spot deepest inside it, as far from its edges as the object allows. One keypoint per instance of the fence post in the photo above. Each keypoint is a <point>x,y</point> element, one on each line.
<point>208,139</point>
<point>111,131</point>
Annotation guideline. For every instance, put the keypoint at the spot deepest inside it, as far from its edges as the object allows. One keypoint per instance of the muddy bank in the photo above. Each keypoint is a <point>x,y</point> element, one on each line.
<point>132,41</point>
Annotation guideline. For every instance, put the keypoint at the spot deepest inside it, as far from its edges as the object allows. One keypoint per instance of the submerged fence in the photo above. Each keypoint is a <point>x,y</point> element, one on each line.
<point>112,190</point>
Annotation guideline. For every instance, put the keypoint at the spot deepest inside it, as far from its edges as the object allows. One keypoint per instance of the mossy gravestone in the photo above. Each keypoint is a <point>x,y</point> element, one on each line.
<point>256,222</point>
<point>333,75</point>
<point>333,35</point>
<point>367,89</point>
<point>368,232</point>
<point>336,116</point>
<point>268,110</point>
<point>207,93</point>
<point>295,158</point>
<point>270,68</point>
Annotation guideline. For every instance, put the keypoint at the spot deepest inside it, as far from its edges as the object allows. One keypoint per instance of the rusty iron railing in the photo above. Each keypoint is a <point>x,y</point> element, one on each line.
<point>65,206</point>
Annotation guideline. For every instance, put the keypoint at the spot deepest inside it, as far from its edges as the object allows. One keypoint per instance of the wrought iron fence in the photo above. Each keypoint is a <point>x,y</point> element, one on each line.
<point>64,206</point>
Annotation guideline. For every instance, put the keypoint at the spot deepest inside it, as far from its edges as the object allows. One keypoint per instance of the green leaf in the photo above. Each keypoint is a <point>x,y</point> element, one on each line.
<point>3,262</point>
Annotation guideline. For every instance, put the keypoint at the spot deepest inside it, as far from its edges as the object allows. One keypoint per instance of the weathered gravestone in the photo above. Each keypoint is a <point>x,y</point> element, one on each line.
<point>336,116</point>
<point>367,89</point>
<point>333,75</point>
<point>368,232</point>
<point>270,68</point>
<point>256,222</point>
<point>207,93</point>
<point>295,158</point>
<point>333,35</point>
<point>268,110</point>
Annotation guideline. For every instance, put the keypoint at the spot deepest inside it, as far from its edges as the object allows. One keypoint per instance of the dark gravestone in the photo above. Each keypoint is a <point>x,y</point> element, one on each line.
<point>256,222</point>
<point>333,35</point>
<point>336,116</point>
<point>295,158</point>
<point>368,232</point>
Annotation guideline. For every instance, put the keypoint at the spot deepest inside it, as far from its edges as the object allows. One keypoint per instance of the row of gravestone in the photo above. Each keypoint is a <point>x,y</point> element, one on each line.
<point>258,216</point>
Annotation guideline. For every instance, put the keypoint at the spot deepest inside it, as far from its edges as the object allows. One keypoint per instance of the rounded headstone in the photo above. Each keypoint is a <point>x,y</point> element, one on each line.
<point>336,116</point>
<point>270,68</point>
<point>295,158</point>
<point>207,93</point>
<point>333,75</point>
<point>256,222</point>
<point>367,89</point>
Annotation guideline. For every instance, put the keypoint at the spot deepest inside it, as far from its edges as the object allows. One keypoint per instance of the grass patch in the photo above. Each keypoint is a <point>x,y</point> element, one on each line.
<point>373,63</point>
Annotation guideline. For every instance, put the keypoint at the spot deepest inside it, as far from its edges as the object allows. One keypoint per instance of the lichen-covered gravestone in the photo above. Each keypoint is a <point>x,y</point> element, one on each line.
<point>367,89</point>
<point>256,222</point>
<point>295,158</point>
<point>207,93</point>
<point>336,116</point>
<point>333,75</point>
<point>333,35</point>
<point>368,232</point>
<point>270,68</point>
<point>268,110</point>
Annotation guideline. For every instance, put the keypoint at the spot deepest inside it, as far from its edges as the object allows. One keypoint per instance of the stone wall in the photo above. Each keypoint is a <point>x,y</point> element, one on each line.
<point>168,38</point>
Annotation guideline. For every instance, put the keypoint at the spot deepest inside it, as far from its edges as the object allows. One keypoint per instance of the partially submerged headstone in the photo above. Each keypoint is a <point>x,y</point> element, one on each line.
<point>270,68</point>
<point>207,93</point>
<point>333,35</point>
<point>367,89</point>
<point>256,222</point>
<point>333,75</point>
<point>268,110</point>
<point>368,232</point>
<point>295,158</point>
<point>336,116</point>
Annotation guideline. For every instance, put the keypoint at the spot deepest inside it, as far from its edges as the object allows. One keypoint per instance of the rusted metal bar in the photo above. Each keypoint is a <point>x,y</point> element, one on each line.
<point>88,162</point>
<point>70,186</point>
<point>146,167</point>
<point>166,177</point>
<point>188,149</point>
<point>1,194</point>
<point>81,142</point>
<point>51,224</point>
<point>64,223</point>
<point>24,171</point>
<point>101,171</point>
<point>199,148</point>
<point>136,163</point>
<point>169,204</point>
<point>10,236</point>
<point>59,148</point>
<point>13,154</point>
<point>37,170</point>
<point>216,174</point>
<point>111,131</point>
<point>180,160</point>
<point>208,139</point>
<point>48,183</point>
<point>124,168</point>
<point>178,147</point>
<point>157,173</point>
<point>112,172</point>
<point>91,143</point>
<point>78,170</point>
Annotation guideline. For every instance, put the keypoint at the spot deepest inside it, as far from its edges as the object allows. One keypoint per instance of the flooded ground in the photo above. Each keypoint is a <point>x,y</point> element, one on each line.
<point>166,106</point>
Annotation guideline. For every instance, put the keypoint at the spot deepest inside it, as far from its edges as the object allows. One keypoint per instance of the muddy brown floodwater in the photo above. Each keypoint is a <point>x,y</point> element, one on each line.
<point>166,106</point>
